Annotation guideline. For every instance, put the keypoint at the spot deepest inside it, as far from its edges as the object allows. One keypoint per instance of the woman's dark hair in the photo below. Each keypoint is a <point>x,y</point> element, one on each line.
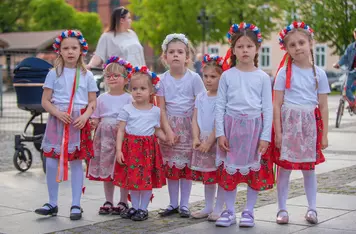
<point>117,14</point>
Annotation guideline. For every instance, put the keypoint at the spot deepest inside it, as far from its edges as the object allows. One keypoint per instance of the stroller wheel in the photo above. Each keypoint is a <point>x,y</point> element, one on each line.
<point>22,159</point>
<point>43,158</point>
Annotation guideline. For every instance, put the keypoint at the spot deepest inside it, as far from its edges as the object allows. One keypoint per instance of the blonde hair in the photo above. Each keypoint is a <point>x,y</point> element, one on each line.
<point>59,65</point>
<point>306,33</point>
<point>189,50</point>
<point>116,68</point>
<point>138,76</point>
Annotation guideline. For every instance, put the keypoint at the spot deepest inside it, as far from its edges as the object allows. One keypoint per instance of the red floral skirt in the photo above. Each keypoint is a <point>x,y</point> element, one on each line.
<point>306,165</point>
<point>257,180</point>
<point>209,177</point>
<point>143,168</point>
<point>86,146</point>
<point>174,173</point>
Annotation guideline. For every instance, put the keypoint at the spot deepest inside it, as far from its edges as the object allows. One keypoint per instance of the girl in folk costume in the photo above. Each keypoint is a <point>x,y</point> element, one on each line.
<point>69,96</point>
<point>140,164</point>
<point>179,87</point>
<point>104,119</point>
<point>204,141</point>
<point>300,116</point>
<point>243,124</point>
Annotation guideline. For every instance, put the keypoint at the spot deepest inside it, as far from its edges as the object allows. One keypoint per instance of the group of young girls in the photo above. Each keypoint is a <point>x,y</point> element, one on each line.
<point>217,130</point>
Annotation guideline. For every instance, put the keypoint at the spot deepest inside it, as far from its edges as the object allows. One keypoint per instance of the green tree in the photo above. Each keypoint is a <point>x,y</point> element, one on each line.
<point>52,14</point>
<point>332,20</point>
<point>157,18</point>
<point>57,14</point>
<point>90,25</point>
<point>14,15</point>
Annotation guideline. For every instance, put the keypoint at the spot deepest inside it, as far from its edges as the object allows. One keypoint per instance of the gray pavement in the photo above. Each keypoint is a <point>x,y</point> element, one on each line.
<point>21,193</point>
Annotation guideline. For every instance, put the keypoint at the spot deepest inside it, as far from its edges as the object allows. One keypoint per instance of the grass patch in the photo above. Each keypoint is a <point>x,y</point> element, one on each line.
<point>335,93</point>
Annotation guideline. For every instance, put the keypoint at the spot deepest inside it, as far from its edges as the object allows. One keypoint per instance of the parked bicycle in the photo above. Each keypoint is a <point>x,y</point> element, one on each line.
<point>343,100</point>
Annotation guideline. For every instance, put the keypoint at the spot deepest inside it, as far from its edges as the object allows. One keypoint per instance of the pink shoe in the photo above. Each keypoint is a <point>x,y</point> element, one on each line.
<point>282,219</point>
<point>311,216</point>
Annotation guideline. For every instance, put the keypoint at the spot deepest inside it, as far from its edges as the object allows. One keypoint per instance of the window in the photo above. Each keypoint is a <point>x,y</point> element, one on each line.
<point>114,4</point>
<point>93,6</point>
<point>320,55</point>
<point>213,50</point>
<point>265,57</point>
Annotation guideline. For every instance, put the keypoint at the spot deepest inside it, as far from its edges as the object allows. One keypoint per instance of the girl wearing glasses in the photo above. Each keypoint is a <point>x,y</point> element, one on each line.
<point>104,120</point>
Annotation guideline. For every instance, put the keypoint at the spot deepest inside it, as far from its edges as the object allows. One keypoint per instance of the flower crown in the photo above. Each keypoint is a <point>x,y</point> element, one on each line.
<point>120,61</point>
<point>244,26</point>
<point>145,70</point>
<point>293,25</point>
<point>71,33</point>
<point>172,36</point>
<point>217,59</point>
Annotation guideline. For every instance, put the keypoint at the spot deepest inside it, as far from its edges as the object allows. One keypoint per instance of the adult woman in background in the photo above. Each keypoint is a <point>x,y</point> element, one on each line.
<point>118,40</point>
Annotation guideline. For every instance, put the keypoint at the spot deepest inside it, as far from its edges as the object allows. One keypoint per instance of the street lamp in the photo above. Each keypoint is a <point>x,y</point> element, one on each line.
<point>204,20</point>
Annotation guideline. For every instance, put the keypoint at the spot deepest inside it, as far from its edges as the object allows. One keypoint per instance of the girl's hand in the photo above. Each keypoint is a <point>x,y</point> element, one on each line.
<point>120,157</point>
<point>64,117</point>
<point>262,147</point>
<point>223,144</point>
<point>324,142</point>
<point>196,143</point>
<point>278,140</point>
<point>205,147</point>
<point>80,122</point>
<point>93,123</point>
<point>171,138</point>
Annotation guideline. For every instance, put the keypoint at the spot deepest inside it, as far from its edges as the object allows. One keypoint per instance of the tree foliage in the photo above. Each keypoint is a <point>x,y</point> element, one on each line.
<point>42,15</point>
<point>332,20</point>
<point>14,15</point>
<point>157,18</point>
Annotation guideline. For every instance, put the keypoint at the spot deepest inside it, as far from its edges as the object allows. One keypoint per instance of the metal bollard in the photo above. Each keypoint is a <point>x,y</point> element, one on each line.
<point>1,91</point>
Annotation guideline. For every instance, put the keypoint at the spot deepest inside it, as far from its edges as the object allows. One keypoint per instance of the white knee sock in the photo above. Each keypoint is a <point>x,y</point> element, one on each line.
<point>145,199</point>
<point>310,187</point>
<point>251,199</point>
<point>52,185</point>
<point>123,195</point>
<point>282,188</point>
<point>109,191</point>
<point>173,189</point>
<point>209,193</point>
<point>230,199</point>
<point>135,198</point>
<point>220,198</point>
<point>185,189</point>
<point>77,178</point>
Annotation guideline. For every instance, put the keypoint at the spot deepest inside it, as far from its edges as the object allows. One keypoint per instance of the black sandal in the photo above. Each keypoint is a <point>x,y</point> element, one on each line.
<point>76,216</point>
<point>51,211</point>
<point>120,208</point>
<point>127,214</point>
<point>140,215</point>
<point>106,209</point>
<point>184,213</point>
<point>168,212</point>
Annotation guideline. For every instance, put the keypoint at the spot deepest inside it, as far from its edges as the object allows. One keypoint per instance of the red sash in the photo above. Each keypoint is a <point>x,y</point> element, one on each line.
<point>62,172</point>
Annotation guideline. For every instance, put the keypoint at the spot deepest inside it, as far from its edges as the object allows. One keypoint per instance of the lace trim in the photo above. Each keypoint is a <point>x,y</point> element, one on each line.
<point>57,150</point>
<point>231,170</point>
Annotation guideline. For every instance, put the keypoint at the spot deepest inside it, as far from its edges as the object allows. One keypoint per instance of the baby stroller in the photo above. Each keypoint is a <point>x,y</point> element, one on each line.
<point>29,77</point>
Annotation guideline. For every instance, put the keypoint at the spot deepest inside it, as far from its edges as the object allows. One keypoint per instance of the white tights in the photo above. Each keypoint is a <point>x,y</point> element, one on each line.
<point>310,187</point>
<point>185,189</point>
<point>77,178</point>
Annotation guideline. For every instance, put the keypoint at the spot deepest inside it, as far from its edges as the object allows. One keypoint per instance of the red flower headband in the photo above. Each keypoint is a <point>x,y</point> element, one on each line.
<point>145,70</point>
<point>289,28</point>
<point>244,26</point>
<point>71,33</point>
